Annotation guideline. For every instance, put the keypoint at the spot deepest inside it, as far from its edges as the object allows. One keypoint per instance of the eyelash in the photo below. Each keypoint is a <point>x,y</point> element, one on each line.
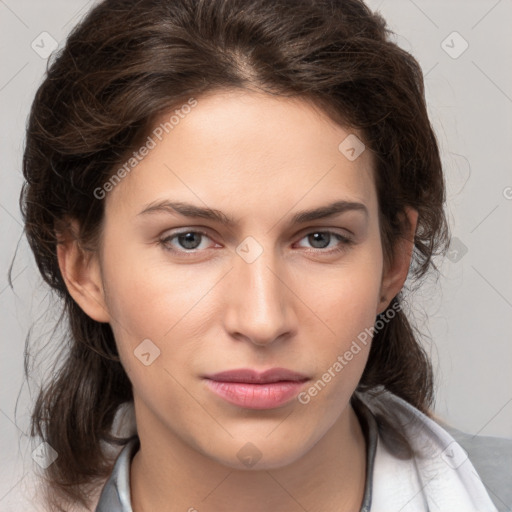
<point>344,242</point>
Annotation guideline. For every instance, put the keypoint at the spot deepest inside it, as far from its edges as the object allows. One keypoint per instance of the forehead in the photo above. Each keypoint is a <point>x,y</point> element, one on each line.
<point>240,149</point>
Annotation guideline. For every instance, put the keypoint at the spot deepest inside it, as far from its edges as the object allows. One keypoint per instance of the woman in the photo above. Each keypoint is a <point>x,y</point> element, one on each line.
<point>229,196</point>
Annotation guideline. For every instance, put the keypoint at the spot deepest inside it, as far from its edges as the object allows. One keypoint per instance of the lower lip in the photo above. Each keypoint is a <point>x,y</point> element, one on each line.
<point>256,396</point>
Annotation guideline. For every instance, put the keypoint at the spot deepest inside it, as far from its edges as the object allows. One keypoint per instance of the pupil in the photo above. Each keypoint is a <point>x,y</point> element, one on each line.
<point>317,236</point>
<point>188,239</point>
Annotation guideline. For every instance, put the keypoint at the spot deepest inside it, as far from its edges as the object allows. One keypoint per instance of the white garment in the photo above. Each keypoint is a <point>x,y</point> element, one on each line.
<point>440,478</point>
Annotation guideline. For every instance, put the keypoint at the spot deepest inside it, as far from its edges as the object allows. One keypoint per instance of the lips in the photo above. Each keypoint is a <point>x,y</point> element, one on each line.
<point>256,390</point>
<point>254,377</point>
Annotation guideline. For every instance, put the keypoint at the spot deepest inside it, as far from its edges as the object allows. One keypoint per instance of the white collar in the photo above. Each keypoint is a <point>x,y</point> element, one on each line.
<point>440,477</point>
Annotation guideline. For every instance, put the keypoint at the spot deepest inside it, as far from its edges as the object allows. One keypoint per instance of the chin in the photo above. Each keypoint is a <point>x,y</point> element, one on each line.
<point>259,454</point>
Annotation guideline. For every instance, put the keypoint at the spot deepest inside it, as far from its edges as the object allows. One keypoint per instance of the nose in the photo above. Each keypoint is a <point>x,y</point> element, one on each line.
<point>260,302</point>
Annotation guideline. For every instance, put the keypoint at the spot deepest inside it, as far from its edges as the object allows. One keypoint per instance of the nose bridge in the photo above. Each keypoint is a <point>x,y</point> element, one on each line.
<point>260,311</point>
<point>262,281</point>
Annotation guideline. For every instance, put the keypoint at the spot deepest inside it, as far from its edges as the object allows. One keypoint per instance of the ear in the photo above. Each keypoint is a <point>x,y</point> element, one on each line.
<point>395,273</point>
<point>80,269</point>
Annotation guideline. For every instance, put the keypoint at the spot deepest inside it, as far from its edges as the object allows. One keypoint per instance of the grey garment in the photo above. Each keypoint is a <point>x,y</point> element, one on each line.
<point>371,434</point>
<point>492,459</point>
<point>115,495</point>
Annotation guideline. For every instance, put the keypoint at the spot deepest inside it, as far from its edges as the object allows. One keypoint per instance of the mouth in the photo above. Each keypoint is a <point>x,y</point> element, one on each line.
<point>250,389</point>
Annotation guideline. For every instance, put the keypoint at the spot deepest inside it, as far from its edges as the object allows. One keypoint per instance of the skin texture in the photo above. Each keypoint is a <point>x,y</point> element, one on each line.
<point>298,305</point>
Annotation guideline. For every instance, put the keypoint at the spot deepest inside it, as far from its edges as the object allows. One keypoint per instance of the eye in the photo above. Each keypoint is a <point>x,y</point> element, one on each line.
<point>186,241</point>
<point>191,241</point>
<point>321,240</point>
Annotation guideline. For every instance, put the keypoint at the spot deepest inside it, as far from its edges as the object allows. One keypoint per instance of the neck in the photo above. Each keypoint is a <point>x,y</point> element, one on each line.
<point>168,475</point>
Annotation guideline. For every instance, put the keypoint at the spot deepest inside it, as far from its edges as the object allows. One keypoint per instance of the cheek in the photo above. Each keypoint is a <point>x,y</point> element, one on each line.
<point>347,297</point>
<point>350,314</point>
<point>159,302</point>
<point>146,298</point>
<point>341,355</point>
<point>346,302</point>
<point>149,308</point>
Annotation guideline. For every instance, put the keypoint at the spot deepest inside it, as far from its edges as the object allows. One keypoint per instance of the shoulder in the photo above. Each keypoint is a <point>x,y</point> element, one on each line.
<point>492,459</point>
<point>419,465</point>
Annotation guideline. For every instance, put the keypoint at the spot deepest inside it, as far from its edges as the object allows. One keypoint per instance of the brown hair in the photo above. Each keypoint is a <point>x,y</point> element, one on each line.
<point>129,62</point>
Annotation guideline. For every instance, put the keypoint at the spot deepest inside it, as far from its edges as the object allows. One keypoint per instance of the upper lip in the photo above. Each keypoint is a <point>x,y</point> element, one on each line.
<point>252,376</point>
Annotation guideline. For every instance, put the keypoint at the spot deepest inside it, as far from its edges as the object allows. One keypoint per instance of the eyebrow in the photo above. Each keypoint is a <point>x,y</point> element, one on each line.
<point>191,210</point>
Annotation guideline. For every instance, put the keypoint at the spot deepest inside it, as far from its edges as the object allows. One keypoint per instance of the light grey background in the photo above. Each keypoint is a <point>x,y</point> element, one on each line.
<point>467,313</point>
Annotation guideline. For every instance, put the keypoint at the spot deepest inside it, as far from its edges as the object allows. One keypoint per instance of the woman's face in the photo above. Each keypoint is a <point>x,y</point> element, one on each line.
<point>268,291</point>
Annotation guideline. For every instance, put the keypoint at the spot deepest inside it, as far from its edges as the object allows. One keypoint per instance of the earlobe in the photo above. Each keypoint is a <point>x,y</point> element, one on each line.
<point>395,274</point>
<point>80,270</point>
